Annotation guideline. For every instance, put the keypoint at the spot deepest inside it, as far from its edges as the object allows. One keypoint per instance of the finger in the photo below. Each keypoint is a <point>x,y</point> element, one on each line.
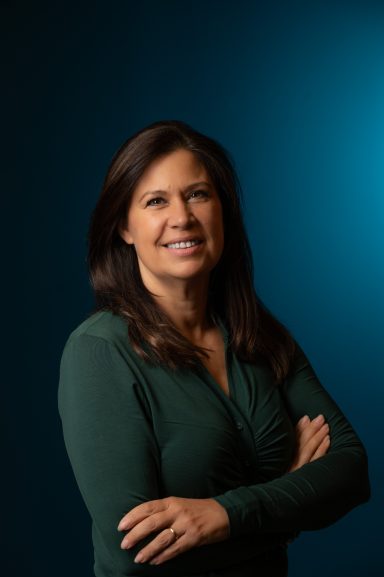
<point>314,443</point>
<point>153,524</point>
<point>161,544</point>
<point>322,449</point>
<point>141,512</point>
<point>310,430</point>
<point>179,546</point>
<point>305,453</point>
<point>302,423</point>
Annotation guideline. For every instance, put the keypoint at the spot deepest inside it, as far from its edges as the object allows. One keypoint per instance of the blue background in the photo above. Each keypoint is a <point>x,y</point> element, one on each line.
<point>295,91</point>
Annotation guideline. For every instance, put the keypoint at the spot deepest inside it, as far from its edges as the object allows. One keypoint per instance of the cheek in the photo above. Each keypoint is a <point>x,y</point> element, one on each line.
<point>142,230</point>
<point>216,227</point>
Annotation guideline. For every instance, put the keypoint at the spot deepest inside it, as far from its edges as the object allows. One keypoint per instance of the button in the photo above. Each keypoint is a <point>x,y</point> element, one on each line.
<point>239,426</point>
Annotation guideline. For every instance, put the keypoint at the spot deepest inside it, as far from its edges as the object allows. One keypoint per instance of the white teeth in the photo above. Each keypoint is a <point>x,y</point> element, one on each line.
<point>187,244</point>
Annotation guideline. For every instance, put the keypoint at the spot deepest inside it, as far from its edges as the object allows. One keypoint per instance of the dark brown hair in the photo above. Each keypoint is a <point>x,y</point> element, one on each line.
<point>114,269</point>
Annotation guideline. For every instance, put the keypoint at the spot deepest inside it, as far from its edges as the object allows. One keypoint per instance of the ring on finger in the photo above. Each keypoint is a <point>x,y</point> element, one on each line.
<point>174,533</point>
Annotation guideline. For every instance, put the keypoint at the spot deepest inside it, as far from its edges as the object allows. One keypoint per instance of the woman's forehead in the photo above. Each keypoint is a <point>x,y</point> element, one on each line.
<point>178,169</point>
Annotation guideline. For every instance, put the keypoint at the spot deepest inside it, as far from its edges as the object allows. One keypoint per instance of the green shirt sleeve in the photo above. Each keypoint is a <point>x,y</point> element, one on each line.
<point>318,493</point>
<point>108,439</point>
<point>113,451</point>
<point>108,431</point>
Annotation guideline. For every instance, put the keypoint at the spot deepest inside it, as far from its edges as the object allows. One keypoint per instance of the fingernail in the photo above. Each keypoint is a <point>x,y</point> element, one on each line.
<point>124,523</point>
<point>319,418</point>
<point>305,419</point>
<point>139,558</point>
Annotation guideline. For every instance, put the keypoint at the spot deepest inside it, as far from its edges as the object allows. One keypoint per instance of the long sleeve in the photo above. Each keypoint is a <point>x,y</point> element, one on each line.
<point>135,433</point>
<point>318,493</point>
<point>108,439</point>
<point>114,453</point>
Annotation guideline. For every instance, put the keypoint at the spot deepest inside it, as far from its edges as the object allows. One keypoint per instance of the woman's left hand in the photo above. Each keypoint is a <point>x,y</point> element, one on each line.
<point>312,441</point>
<point>180,523</point>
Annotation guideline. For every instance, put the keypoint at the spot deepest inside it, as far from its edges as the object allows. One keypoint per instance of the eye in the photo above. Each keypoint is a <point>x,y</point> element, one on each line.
<point>198,194</point>
<point>155,201</point>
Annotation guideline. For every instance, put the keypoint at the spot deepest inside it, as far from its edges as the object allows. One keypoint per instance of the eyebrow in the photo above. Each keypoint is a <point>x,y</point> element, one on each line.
<point>186,189</point>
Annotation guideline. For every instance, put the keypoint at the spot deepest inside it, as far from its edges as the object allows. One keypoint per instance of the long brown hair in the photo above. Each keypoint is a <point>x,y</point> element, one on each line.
<point>116,278</point>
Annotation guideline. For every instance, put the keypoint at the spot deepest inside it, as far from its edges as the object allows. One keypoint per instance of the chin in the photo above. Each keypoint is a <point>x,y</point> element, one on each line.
<point>190,273</point>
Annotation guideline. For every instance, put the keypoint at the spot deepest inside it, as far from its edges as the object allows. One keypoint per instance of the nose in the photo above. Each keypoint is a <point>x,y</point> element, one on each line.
<point>180,214</point>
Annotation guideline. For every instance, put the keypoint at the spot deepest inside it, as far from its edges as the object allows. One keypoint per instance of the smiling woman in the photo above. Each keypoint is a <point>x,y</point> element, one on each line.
<point>194,423</point>
<point>176,229</point>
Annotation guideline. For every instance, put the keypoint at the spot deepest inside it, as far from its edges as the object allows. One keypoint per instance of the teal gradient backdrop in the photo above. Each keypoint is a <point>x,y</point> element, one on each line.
<point>295,91</point>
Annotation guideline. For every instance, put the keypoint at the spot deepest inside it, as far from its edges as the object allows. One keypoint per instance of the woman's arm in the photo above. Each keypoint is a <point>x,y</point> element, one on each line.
<point>114,455</point>
<point>204,521</point>
<point>108,438</point>
<point>316,492</point>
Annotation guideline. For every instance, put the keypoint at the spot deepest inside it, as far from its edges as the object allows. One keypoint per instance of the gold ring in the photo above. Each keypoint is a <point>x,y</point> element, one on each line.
<point>174,533</point>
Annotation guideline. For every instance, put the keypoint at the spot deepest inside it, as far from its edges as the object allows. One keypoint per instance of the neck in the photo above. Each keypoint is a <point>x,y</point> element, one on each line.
<point>185,304</point>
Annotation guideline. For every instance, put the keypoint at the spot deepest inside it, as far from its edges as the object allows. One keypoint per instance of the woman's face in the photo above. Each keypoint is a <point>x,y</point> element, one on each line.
<point>175,221</point>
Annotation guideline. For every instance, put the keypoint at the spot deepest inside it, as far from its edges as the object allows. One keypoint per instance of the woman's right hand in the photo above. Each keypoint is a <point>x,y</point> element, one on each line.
<point>312,441</point>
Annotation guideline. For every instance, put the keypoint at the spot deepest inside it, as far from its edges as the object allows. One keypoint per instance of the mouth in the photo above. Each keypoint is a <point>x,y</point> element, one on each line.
<point>183,244</point>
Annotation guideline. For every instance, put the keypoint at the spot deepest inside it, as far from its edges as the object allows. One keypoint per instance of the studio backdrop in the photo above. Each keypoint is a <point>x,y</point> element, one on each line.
<point>295,91</point>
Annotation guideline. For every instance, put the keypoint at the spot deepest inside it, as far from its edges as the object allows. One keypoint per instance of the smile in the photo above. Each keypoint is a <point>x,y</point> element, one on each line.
<point>185,244</point>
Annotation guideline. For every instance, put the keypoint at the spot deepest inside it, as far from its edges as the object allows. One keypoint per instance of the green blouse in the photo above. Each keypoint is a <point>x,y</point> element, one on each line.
<point>136,432</point>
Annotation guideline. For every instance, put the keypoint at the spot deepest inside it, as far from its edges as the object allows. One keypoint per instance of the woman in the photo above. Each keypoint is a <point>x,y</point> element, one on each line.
<point>180,395</point>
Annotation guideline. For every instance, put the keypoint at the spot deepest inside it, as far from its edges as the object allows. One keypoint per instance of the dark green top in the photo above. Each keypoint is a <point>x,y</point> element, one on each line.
<point>136,432</point>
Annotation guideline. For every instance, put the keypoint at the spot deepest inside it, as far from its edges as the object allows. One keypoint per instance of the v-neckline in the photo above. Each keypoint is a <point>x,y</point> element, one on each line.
<point>229,396</point>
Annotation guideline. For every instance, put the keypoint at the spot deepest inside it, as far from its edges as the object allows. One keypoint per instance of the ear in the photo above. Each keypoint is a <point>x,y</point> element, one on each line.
<point>125,234</point>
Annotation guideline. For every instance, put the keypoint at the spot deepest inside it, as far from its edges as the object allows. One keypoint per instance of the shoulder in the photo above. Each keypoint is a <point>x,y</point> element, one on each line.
<point>99,373</point>
<point>99,344</point>
<point>102,325</point>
